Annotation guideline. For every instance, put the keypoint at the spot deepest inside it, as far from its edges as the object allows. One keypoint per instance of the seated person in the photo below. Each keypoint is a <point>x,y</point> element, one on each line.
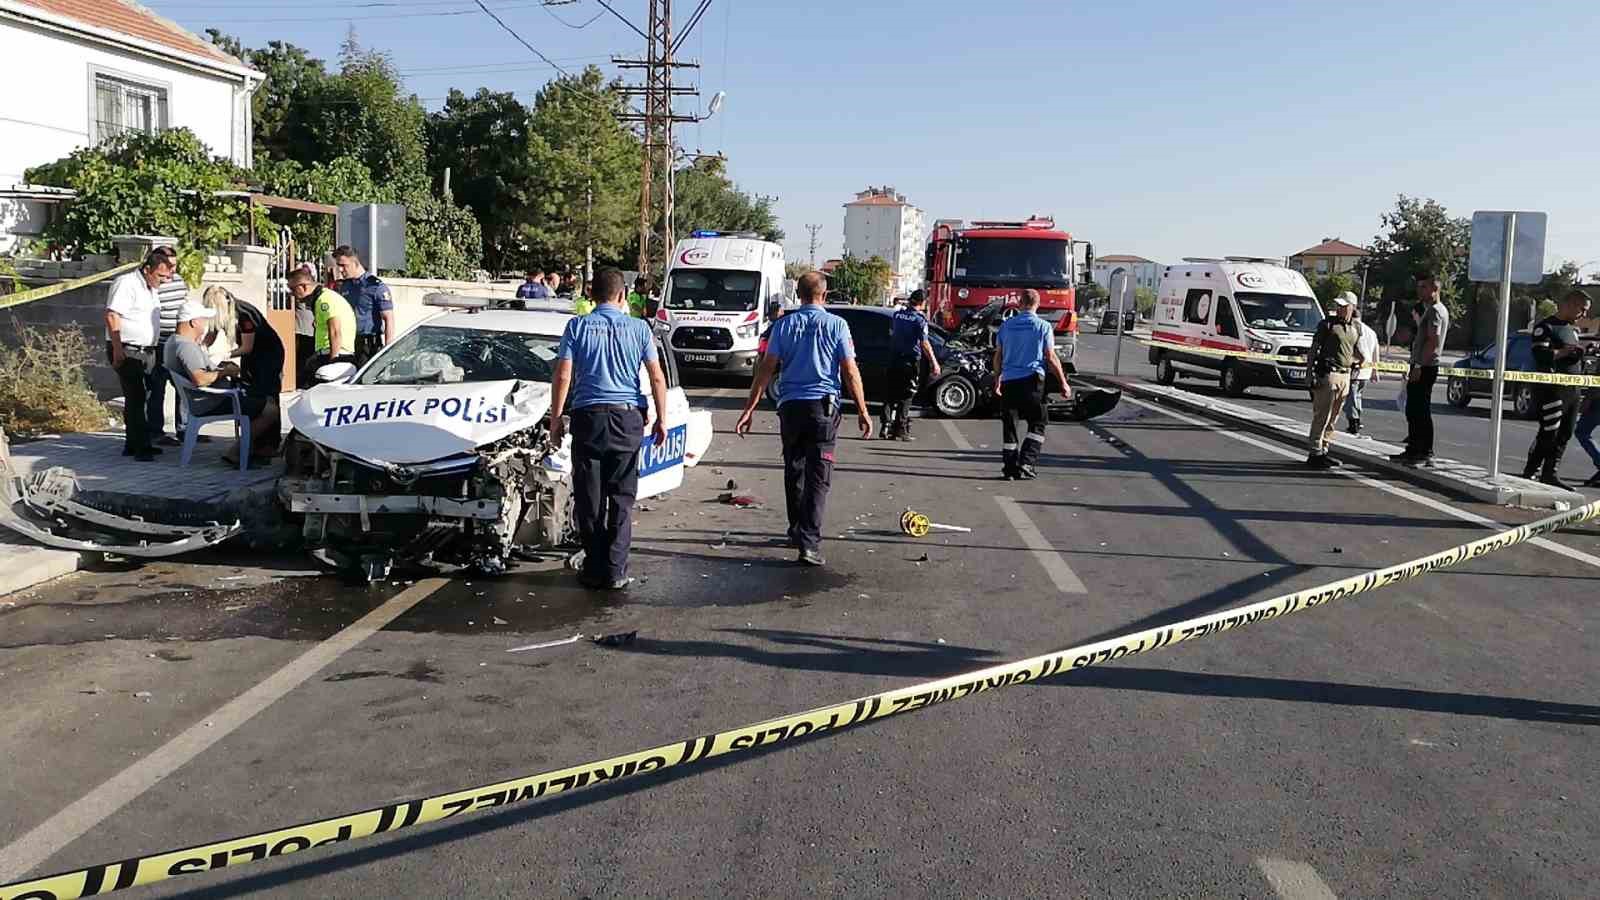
<point>184,356</point>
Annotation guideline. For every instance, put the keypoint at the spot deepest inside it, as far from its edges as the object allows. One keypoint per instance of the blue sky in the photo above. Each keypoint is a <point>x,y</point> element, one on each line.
<point>1165,129</point>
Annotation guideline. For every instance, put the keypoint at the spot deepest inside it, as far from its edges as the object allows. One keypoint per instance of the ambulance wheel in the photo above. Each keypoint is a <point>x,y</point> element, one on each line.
<point>1232,382</point>
<point>955,397</point>
<point>1165,372</point>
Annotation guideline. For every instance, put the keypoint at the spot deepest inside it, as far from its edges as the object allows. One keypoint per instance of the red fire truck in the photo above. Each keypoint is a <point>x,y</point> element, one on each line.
<point>973,265</point>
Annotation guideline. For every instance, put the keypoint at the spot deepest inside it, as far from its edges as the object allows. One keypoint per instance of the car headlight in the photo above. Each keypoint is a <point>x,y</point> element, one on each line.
<point>747,331</point>
<point>1260,346</point>
<point>963,293</point>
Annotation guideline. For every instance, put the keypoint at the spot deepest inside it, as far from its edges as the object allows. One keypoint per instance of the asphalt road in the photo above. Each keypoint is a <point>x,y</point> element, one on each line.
<point>1458,433</point>
<point>1431,739</point>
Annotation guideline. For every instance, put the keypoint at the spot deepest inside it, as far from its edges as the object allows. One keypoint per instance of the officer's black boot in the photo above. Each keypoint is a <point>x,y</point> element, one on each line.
<point>1549,476</point>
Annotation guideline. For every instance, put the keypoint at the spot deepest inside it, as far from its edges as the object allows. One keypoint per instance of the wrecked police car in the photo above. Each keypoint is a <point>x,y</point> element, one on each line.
<point>436,451</point>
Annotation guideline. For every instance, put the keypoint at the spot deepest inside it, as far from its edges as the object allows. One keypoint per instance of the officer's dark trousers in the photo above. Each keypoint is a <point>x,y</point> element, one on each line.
<point>136,435</point>
<point>1419,411</point>
<point>367,346</point>
<point>1558,412</point>
<point>905,376</point>
<point>605,479</point>
<point>809,432</point>
<point>1021,398</point>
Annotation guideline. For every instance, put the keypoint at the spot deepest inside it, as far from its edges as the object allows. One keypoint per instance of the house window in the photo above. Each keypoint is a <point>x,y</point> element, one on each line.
<point>1322,266</point>
<point>122,105</point>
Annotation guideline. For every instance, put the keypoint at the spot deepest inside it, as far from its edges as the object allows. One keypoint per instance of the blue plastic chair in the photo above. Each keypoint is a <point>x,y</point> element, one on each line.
<point>191,432</point>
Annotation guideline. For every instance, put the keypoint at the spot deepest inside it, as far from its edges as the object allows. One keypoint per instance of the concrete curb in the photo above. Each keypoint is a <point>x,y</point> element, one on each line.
<point>1451,475</point>
<point>23,566</point>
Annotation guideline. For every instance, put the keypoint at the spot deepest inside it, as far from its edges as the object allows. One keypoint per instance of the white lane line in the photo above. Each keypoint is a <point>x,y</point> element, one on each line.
<point>1294,880</point>
<point>38,845</point>
<point>1414,497</point>
<point>1055,566</point>
<point>956,437</point>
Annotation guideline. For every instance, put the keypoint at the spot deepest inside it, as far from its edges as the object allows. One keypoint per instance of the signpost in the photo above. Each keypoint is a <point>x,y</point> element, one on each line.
<point>1122,286</point>
<point>1507,247</point>
<point>376,231</point>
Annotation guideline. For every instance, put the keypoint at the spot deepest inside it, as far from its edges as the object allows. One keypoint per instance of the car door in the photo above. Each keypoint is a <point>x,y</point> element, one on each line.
<point>661,467</point>
<point>869,331</point>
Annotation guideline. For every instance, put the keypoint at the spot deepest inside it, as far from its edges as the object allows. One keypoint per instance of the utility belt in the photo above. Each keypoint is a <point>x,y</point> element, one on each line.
<point>829,404</point>
<point>146,355</point>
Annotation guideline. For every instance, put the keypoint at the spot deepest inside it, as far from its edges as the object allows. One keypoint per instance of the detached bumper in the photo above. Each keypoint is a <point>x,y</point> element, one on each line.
<point>380,504</point>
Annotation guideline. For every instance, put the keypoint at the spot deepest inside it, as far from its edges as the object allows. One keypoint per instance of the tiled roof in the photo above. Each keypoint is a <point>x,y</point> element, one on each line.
<point>1334,247</point>
<point>1123,258</point>
<point>129,18</point>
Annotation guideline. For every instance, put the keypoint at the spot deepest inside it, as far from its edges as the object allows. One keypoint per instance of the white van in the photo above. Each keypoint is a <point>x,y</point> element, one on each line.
<point>1241,303</point>
<point>714,301</point>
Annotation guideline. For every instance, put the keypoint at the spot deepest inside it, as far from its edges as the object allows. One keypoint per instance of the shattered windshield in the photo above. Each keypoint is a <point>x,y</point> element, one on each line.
<point>436,354</point>
<point>1280,312</point>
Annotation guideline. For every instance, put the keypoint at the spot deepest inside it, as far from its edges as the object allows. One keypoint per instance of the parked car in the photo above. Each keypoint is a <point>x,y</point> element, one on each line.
<point>1108,322</point>
<point>1519,358</point>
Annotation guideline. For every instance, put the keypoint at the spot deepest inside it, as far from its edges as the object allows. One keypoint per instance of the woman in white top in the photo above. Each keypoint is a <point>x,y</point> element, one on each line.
<point>1367,346</point>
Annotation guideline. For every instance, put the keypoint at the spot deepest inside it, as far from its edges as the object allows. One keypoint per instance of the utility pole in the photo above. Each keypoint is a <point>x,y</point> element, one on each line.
<point>813,229</point>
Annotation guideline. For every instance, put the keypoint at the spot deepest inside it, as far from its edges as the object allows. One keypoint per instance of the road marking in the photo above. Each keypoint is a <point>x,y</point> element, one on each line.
<point>1055,566</point>
<point>1414,497</point>
<point>1294,880</point>
<point>71,823</point>
<point>956,437</point>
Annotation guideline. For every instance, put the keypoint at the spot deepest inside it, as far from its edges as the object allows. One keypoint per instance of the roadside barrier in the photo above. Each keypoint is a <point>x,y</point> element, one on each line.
<point>61,287</point>
<point>1400,368</point>
<point>114,876</point>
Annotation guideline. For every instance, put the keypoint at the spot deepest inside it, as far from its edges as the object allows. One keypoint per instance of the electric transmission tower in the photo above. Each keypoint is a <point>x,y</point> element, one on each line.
<point>813,229</point>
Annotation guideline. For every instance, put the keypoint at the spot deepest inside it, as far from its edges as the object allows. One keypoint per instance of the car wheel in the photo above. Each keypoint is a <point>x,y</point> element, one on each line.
<point>955,396</point>
<point>1232,382</point>
<point>1524,403</point>
<point>1165,372</point>
<point>1455,391</point>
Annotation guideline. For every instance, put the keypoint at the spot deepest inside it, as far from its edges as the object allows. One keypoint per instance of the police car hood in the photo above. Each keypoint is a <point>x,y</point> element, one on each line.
<point>417,423</point>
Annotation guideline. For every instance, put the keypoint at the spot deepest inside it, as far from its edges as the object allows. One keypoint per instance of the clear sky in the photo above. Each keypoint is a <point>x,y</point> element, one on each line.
<point>1160,128</point>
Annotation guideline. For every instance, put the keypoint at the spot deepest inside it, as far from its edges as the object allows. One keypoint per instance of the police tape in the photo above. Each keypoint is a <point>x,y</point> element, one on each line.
<point>1401,368</point>
<point>114,876</point>
<point>61,287</point>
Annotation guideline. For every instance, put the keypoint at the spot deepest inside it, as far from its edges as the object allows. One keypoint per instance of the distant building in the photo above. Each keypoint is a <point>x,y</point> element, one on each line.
<point>1330,257</point>
<point>1144,272</point>
<point>880,222</point>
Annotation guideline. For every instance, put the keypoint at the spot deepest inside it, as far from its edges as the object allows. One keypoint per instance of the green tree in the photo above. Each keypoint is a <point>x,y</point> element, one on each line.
<point>795,269</point>
<point>706,199</point>
<point>1089,294</point>
<point>1420,236</point>
<point>482,140</point>
<point>277,106</point>
<point>1144,300</point>
<point>862,281</point>
<point>1327,287</point>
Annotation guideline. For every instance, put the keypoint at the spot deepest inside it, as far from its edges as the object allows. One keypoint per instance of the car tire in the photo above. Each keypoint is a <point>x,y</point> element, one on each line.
<point>1166,373</point>
<point>1524,402</point>
<point>955,396</point>
<point>1232,381</point>
<point>1455,391</point>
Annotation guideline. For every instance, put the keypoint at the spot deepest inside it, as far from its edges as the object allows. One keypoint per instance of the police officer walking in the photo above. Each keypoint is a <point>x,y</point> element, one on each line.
<point>1556,349</point>
<point>598,361</point>
<point>811,350</point>
<point>1023,348</point>
<point>370,300</point>
<point>908,347</point>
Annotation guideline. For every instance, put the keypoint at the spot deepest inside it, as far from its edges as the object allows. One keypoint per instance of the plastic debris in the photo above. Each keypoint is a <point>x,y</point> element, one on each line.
<point>620,639</point>
<point>556,643</point>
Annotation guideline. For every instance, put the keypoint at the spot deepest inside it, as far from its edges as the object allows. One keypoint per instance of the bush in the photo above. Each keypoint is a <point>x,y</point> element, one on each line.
<point>45,390</point>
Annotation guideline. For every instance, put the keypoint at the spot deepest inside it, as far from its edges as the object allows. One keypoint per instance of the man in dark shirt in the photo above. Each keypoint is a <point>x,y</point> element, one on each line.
<point>908,346</point>
<point>1428,340</point>
<point>1556,349</point>
<point>1334,354</point>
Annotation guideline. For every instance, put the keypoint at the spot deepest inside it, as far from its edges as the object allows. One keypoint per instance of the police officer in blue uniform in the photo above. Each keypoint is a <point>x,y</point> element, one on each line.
<point>811,351</point>
<point>908,347</point>
<point>370,300</point>
<point>1556,349</point>
<point>1023,348</point>
<point>598,361</point>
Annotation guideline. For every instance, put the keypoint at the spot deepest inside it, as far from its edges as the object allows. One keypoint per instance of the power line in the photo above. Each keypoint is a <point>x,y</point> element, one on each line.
<point>509,30</point>
<point>623,19</point>
<point>551,13</point>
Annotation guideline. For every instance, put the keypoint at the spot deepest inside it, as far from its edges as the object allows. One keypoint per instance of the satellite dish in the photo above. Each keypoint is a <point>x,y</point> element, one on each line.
<point>716,103</point>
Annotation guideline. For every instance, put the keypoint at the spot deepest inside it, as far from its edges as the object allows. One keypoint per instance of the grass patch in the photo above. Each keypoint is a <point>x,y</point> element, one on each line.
<point>44,388</point>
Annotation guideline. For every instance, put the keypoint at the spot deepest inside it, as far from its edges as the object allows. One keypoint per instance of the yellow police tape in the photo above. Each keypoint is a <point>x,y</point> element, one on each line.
<point>61,287</point>
<point>107,877</point>
<point>1402,368</point>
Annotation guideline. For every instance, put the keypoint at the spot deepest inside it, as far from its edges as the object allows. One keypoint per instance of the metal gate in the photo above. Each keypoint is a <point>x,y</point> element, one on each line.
<point>281,311</point>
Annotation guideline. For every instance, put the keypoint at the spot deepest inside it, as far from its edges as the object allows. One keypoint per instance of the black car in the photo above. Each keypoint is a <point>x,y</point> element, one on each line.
<point>1108,322</point>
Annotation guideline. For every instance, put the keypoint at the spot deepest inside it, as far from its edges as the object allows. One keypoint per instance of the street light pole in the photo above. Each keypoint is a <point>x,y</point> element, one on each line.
<point>1498,397</point>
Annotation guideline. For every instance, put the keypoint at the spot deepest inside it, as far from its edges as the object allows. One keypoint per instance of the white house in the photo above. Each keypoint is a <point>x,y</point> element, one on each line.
<point>84,70</point>
<point>879,222</point>
<point>1145,273</point>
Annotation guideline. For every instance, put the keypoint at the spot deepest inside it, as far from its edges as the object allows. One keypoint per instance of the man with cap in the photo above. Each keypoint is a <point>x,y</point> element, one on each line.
<point>1334,353</point>
<point>1024,347</point>
<point>185,357</point>
<point>1557,350</point>
<point>1367,346</point>
<point>598,360</point>
<point>811,352</point>
<point>908,347</point>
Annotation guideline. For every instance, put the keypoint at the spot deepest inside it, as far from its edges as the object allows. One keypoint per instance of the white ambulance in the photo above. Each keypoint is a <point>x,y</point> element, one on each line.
<point>715,296</point>
<point>1243,303</point>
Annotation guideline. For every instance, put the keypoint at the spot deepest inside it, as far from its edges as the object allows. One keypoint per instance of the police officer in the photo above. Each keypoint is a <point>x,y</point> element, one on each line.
<point>599,360</point>
<point>370,300</point>
<point>1556,349</point>
<point>1023,348</point>
<point>908,347</point>
<point>811,350</point>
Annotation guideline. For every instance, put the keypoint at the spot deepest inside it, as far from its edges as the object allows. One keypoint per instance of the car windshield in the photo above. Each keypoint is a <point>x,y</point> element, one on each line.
<point>1030,262</point>
<point>715,289</point>
<point>436,354</point>
<point>1280,312</point>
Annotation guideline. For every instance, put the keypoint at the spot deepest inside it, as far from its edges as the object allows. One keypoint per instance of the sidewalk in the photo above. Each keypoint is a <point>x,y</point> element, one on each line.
<point>1462,478</point>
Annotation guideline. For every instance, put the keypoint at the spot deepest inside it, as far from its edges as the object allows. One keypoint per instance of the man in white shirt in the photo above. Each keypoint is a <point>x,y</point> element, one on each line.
<point>1367,346</point>
<point>133,328</point>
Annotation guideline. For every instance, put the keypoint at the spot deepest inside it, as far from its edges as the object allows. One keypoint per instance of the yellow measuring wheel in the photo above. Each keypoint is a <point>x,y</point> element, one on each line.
<point>918,525</point>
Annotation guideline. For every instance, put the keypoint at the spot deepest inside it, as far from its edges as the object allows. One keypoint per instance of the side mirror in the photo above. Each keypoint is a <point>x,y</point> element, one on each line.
<point>335,373</point>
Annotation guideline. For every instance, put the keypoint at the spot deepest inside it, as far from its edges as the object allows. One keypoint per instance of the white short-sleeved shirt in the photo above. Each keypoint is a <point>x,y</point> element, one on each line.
<point>136,303</point>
